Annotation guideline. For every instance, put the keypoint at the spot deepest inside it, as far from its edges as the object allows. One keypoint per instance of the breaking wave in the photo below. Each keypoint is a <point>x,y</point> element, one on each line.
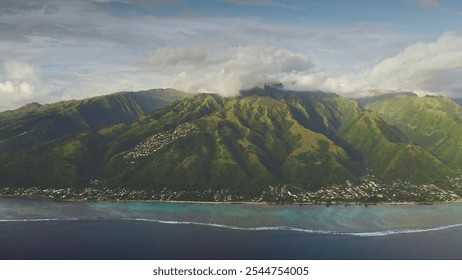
<point>267,228</point>
<point>311,231</point>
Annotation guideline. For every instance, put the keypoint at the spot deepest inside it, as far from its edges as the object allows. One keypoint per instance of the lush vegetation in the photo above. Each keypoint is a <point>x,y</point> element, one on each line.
<point>35,124</point>
<point>266,136</point>
<point>432,122</point>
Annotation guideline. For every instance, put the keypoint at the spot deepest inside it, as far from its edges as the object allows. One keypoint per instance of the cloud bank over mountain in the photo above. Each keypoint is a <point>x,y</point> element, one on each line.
<point>83,48</point>
<point>423,67</point>
<point>229,70</point>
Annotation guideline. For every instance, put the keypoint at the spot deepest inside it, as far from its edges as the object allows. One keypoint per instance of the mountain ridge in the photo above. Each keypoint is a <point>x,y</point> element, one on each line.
<point>34,123</point>
<point>266,136</point>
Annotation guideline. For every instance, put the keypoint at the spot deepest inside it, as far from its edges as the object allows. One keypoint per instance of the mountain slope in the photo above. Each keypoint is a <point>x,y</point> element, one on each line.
<point>60,163</point>
<point>389,155</point>
<point>432,122</point>
<point>243,144</point>
<point>35,124</point>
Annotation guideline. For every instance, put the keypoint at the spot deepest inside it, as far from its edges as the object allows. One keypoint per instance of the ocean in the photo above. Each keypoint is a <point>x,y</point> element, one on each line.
<point>38,228</point>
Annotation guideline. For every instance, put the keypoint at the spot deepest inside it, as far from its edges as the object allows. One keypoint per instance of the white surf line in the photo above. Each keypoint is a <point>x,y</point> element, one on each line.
<point>268,228</point>
<point>312,231</point>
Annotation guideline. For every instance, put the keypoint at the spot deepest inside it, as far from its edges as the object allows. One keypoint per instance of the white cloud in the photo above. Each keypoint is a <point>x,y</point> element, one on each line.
<point>20,70</point>
<point>19,83</point>
<point>13,93</point>
<point>423,67</point>
<point>432,67</point>
<point>419,65</point>
<point>229,70</point>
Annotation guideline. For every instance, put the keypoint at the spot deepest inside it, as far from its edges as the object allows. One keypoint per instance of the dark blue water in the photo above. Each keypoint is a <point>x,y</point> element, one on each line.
<point>114,239</point>
<point>32,228</point>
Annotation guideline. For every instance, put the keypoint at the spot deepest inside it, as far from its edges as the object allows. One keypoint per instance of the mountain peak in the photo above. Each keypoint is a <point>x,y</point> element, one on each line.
<point>31,106</point>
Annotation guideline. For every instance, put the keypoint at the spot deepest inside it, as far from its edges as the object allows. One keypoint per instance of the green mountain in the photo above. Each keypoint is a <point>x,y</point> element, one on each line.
<point>240,143</point>
<point>389,154</point>
<point>432,122</point>
<point>244,144</point>
<point>35,124</point>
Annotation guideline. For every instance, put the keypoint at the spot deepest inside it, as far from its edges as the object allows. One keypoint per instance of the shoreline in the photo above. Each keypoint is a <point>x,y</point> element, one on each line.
<point>260,203</point>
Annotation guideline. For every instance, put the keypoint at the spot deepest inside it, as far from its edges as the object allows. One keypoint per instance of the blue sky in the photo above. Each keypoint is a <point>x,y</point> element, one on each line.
<point>412,16</point>
<point>57,50</point>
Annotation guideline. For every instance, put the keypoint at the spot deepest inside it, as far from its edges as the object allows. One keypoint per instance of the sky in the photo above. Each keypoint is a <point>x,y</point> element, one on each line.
<point>54,50</point>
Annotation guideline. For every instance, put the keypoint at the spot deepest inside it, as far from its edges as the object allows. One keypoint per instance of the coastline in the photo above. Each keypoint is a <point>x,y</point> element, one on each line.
<point>260,203</point>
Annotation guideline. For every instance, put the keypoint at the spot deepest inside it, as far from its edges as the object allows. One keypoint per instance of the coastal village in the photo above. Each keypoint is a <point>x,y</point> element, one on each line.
<point>367,191</point>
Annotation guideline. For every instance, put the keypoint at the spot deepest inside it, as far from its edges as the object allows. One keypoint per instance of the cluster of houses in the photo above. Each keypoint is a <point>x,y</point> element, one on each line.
<point>368,190</point>
<point>159,140</point>
<point>123,194</point>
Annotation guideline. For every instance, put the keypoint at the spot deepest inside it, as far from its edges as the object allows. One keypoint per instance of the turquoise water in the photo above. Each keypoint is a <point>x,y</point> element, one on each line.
<point>360,220</point>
